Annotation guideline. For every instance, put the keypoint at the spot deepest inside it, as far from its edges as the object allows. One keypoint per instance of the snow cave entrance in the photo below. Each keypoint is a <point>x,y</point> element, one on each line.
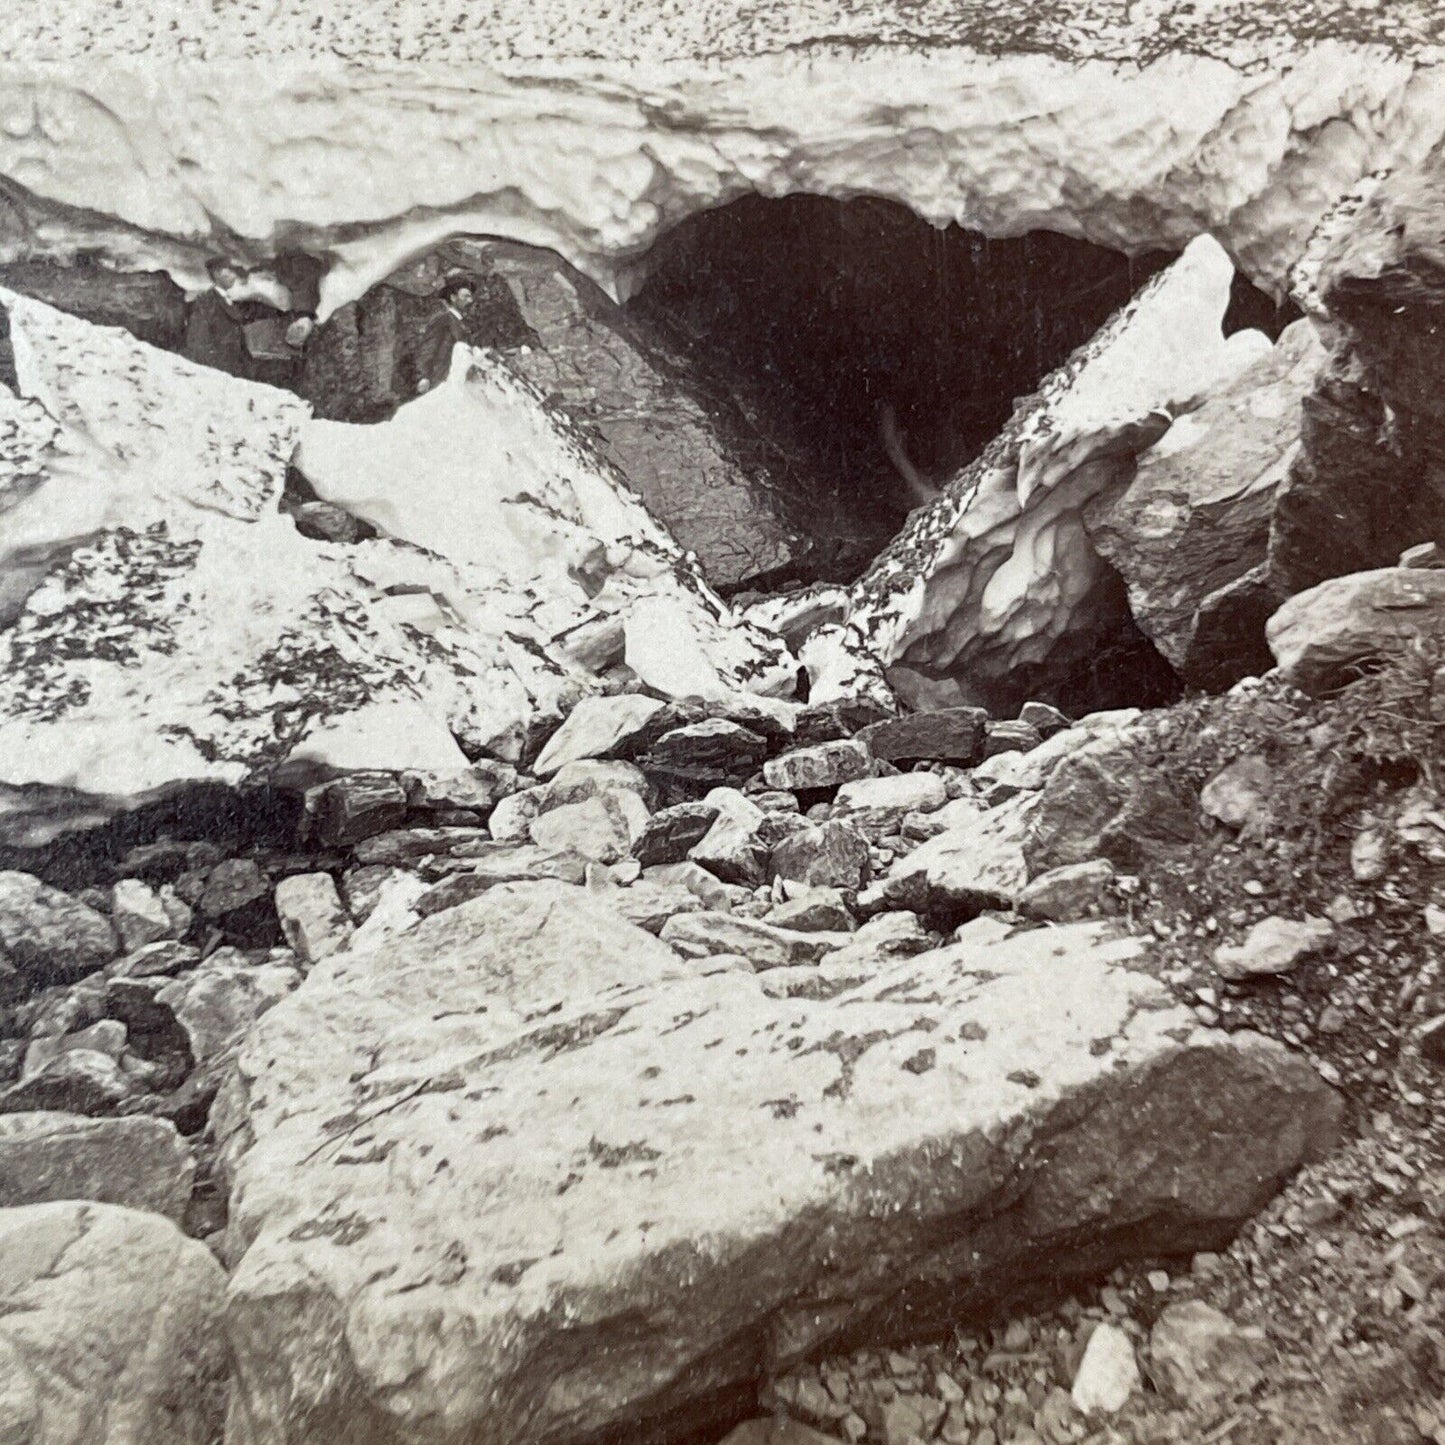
<point>879,353</point>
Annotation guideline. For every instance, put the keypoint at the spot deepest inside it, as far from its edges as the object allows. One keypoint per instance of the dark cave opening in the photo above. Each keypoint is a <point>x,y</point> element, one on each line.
<point>868,345</point>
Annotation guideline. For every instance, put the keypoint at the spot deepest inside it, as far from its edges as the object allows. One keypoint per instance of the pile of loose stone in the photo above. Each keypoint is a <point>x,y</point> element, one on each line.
<point>744,832</point>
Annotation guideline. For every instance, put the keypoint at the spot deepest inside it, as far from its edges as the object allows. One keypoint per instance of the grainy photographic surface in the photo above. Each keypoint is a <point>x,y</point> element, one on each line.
<point>722,723</point>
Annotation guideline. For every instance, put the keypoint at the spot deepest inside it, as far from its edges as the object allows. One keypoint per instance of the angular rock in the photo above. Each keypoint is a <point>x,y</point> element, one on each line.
<point>139,1163</point>
<point>1108,1374</point>
<point>731,849</point>
<point>49,936</point>
<point>824,765</point>
<point>408,847</point>
<point>838,719</point>
<point>74,1081</point>
<point>976,865</point>
<point>580,781</point>
<point>218,1002</point>
<point>237,898</point>
<point>672,833</point>
<point>1045,719</point>
<point>1236,793</point>
<point>1010,737</point>
<point>946,735</point>
<point>110,1328</point>
<point>713,751</point>
<point>139,914</point>
<point>107,1037</point>
<point>813,910</point>
<point>649,904</point>
<point>1195,519</point>
<point>1065,894</point>
<point>357,806</point>
<point>313,918</point>
<point>603,828</point>
<point>564,1066</point>
<point>477,789</point>
<point>1200,1355</point>
<point>1104,803</point>
<point>1326,637</point>
<point>598,727</point>
<point>1273,946</point>
<point>831,855</point>
<point>703,935</point>
<point>878,806</point>
<point>503,863</point>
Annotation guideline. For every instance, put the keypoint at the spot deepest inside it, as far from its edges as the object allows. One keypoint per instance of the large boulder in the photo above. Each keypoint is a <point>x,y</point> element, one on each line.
<point>997,585</point>
<point>697,464</point>
<point>525,1175</point>
<point>1195,519</point>
<point>110,1329</point>
<point>1327,636</point>
<point>171,623</point>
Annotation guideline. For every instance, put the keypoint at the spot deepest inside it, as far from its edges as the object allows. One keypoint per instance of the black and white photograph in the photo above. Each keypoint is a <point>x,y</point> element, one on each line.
<point>722,723</point>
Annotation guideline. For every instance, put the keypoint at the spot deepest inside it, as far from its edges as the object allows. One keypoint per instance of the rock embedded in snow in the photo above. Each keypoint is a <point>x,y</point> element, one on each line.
<point>1325,637</point>
<point>1108,1374</point>
<point>697,465</point>
<point>110,1328</point>
<point>823,765</point>
<point>510,569</point>
<point>562,1063</point>
<point>1274,946</point>
<point>139,1163</point>
<point>48,935</point>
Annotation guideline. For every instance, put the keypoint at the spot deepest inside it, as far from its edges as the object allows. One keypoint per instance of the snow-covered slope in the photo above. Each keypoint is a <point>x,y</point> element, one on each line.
<point>173,624</point>
<point>365,134</point>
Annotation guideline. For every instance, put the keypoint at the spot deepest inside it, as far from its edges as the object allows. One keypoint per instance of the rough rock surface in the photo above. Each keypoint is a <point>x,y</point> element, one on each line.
<point>139,1163</point>
<point>1370,480</point>
<point>699,467</point>
<point>1327,636</point>
<point>110,1328</point>
<point>1196,517</point>
<point>513,1115</point>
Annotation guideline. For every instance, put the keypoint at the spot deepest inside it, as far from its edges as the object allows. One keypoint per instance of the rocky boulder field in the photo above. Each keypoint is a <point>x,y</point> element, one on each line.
<point>538,909</point>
